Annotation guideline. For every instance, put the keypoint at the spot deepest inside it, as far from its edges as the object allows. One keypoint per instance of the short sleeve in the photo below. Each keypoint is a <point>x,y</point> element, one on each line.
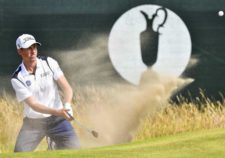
<point>57,72</point>
<point>21,90</point>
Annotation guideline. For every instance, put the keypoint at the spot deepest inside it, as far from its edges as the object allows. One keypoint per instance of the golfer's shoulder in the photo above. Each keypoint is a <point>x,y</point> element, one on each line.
<point>51,63</point>
<point>16,78</point>
<point>16,73</point>
<point>47,59</point>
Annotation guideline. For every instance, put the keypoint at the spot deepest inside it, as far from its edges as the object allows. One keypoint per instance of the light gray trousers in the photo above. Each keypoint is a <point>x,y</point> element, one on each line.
<point>59,130</point>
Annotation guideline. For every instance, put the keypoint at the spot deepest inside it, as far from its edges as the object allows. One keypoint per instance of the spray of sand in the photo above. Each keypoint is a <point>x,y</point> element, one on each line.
<point>89,65</point>
<point>115,112</point>
<point>113,109</point>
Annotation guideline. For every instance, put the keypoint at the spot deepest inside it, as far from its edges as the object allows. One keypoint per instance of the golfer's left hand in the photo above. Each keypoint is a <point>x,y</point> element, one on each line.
<point>69,109</point>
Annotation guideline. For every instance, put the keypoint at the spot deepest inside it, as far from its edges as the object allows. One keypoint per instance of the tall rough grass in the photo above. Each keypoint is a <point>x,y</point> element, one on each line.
<point>187,116</point>
<point>10,122</point>
<point>171,119</point>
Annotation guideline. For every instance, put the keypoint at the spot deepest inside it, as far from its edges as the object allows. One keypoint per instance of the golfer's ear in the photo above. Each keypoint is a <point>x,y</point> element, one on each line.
<point>19,51</point>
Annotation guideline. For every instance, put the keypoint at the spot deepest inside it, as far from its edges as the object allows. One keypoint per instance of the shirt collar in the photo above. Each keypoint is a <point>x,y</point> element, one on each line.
<point>24,70</point>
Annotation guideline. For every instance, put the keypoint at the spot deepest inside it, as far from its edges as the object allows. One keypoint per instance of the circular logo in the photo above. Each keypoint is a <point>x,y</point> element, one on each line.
<point>149,36</point>
<point>28,83</point>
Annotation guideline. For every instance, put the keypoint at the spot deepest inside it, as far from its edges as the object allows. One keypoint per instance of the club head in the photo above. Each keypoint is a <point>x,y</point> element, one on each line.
<point>95,134</point>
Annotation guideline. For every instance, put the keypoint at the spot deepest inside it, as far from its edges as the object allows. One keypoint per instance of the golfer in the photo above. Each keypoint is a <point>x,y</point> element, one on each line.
<point>36,82</point>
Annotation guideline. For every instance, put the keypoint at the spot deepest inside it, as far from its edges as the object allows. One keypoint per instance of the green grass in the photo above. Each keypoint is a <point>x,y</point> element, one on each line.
<point>198,144</point>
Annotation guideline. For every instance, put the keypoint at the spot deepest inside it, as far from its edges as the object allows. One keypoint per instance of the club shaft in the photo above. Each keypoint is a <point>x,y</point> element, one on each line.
<point>79,124</point>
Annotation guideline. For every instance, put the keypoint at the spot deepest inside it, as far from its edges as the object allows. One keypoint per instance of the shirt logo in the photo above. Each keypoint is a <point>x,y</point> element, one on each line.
<point>45,74</point>
<point>28,82</point>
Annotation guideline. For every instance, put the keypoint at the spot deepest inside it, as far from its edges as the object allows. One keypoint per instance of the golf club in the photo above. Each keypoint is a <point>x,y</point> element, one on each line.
<point>94,133</point>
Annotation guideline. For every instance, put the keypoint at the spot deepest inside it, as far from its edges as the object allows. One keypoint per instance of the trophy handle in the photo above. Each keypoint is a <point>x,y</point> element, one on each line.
<point>165,17</point>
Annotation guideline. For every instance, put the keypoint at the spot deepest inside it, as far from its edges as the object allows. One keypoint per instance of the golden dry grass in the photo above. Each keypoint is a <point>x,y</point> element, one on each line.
<point>183,117</point>
<point>115,122</point>
<point>10,122</point>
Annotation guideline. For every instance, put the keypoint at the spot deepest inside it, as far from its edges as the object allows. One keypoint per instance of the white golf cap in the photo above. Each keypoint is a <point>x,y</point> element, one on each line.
<point>25,41</point>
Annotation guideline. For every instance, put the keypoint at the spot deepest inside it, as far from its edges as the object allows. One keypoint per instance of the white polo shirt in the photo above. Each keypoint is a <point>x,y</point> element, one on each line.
<point>40,85</point>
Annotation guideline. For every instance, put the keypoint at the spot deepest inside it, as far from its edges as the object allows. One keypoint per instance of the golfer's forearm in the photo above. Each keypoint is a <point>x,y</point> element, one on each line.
<point>68,95</point>
<point>37,106</point>
<point>44,109</point>
<point>66,88</point>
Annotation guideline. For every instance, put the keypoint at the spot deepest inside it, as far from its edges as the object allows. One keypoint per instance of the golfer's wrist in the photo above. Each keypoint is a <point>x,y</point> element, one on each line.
<point>68,107</point>
<point>67,104</point>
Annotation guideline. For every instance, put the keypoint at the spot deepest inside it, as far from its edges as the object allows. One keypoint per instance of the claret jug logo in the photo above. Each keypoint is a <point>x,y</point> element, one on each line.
<point>149,36</point>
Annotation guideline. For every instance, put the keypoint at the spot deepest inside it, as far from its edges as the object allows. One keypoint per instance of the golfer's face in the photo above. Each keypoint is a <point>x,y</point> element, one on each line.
<point>28,54</point>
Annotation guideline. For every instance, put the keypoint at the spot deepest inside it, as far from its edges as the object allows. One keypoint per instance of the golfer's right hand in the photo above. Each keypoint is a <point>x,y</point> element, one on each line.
<point>64,113</point>
<point>68,116</point>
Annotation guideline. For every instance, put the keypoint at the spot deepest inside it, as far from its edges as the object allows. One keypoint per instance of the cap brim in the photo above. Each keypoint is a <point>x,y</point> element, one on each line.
<point>29,43</point>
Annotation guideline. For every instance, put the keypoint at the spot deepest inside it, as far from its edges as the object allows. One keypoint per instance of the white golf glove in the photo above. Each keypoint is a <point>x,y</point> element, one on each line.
<point>69,108</point>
